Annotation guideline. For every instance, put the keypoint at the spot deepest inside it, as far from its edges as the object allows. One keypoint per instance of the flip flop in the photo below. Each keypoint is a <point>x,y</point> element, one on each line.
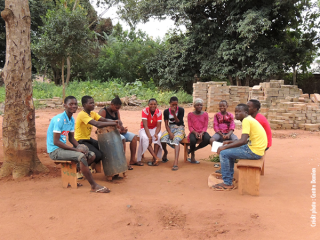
<point>137,164</point>
<point>130,167</point>
<point>218,171</point>
<point>175,168</point>
<point>216,165</point>
<point>100,190</point>
<point>153,164</point>
<point>165,160</point>
<point>196,162</point>
<point>79,184</point>
<point>222,187</point>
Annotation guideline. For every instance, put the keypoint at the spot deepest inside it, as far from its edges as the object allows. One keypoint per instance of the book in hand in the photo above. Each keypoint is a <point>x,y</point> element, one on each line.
<point>215,146</point>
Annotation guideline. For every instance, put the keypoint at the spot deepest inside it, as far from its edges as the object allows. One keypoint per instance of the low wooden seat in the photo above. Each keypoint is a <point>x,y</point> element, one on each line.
<point>249,175</point>
<point>68,173</point>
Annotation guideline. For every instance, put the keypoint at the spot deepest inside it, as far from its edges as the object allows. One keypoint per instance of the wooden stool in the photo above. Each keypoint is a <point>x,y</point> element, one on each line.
<point>68,173</point>
<point>185,144</point>
<point>249,175</point>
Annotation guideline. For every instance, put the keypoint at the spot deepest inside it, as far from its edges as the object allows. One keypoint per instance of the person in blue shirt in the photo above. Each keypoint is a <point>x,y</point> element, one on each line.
<point>62,126</point>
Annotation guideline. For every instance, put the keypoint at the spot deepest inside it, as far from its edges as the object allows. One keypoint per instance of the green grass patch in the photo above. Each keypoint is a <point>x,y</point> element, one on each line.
<point>106,91</point>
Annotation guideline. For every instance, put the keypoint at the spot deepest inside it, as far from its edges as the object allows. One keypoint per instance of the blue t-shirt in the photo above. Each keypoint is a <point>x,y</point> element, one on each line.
<point>59,124</point>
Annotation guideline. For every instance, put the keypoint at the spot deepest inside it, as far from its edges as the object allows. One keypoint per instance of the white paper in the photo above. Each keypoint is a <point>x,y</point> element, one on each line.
<point>215,146</point>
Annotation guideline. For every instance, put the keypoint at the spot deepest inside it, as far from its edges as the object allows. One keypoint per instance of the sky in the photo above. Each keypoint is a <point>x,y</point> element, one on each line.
<point>153,28</point>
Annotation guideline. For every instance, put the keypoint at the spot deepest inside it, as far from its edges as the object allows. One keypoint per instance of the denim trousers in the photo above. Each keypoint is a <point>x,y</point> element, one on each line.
<point>228,157</point>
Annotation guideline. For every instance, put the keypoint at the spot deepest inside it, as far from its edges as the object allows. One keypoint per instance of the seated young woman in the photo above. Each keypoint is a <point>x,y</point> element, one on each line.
<point>112,112</point>
<point>198,124</point>
<point>173,121</point>
<point>223,124</point>
<point>150,132</point>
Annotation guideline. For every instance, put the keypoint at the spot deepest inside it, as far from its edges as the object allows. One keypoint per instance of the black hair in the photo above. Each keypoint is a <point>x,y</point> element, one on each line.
<point>85,99</point>
<point>68,98</point>
<point>152,99</point>
<point>225,101</point>
<point>244,107</point>
<point>173,99</point>
<point>116,101</point>
<point>256,103</point>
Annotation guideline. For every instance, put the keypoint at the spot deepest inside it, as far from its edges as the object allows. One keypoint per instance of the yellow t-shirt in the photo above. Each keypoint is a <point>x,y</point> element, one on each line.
<point>82,128</point>
<point>257,135</point>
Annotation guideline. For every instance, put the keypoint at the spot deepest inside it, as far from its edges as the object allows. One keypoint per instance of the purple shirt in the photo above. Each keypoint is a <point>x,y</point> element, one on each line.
<point>223,123</point>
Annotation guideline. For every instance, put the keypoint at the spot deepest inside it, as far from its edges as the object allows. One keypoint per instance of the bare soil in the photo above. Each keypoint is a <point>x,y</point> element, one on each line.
<point>157,203</point>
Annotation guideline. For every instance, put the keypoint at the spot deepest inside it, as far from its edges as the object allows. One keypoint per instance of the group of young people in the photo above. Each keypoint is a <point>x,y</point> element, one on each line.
<point>85,150</point>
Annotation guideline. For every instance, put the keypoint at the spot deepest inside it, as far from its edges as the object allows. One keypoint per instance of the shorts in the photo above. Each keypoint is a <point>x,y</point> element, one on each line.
<point>68,155</point>
<point>128,136</point>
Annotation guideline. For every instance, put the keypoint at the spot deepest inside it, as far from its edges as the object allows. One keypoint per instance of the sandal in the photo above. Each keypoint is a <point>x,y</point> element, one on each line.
<point>195,162</point>
<point>165,160</point>
<point>155,163</point>
<point>137,163</point>
<point>101,190</point>
<point>130,167</point>
<point>216,165</point>
<point>175,168</point>
<point>223,187</point>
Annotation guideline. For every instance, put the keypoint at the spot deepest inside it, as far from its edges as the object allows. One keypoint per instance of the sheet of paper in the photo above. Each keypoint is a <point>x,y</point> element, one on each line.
<point>215,146</point>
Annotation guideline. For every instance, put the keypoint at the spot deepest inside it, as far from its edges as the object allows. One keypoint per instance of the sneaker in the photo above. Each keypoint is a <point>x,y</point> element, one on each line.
<point>79,175</point>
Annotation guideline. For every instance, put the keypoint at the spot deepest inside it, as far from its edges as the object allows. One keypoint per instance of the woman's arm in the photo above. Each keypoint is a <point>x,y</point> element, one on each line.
<point>158,129</point>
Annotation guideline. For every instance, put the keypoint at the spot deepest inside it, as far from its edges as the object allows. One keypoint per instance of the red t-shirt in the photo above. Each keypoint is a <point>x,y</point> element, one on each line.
<point>151,119</point>
<point>265,124</point>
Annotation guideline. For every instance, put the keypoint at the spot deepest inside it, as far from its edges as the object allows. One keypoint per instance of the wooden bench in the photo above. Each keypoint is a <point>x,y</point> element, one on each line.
<point>249,175</point>
<point>68,173</point>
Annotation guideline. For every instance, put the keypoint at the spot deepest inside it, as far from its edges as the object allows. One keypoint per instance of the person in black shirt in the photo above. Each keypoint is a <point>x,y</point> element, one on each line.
<point>173,120</point>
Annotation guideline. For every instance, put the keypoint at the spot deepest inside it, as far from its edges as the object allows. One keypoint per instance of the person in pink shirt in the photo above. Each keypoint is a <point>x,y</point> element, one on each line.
<point>254,106</point>
<point>223,124</point>
<point>198,124</point>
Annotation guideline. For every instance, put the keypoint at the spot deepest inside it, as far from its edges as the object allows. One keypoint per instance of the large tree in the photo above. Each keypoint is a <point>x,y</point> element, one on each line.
<point>18,128</point>
<point>225,38</point>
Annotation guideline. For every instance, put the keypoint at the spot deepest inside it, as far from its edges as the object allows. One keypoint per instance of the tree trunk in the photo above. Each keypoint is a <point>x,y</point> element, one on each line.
<point>18,128</point>
<point>231,80</point>
<point>247,81</point>
<point>294,78</point>
<point>62,79</point>
<point>238,81</point>
<point>68,71</point>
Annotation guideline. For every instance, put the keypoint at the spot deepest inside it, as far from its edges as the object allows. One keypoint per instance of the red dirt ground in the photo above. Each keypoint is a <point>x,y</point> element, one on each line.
<point>157,203</point>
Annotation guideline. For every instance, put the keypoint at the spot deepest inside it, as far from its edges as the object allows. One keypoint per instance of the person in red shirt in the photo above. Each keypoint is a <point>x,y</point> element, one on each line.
<point>150,132</point>
<point>254,106</point>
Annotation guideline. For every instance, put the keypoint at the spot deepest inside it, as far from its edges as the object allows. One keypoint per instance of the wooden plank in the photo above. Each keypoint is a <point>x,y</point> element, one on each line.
<point>249,181</point>
<point>68,173</point>
<point>251,163</point>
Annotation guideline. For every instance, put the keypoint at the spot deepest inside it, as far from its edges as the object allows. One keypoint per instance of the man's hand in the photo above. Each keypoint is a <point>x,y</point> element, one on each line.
<point>221,149</point>
<point>227,142</point>
<point>79,150</point>
<point>124,130</point>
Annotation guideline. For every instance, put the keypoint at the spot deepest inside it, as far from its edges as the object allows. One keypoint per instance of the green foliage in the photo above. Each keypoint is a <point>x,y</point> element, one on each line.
<point>238,40</point>
<point>105,91</point>
<point>125,55</point>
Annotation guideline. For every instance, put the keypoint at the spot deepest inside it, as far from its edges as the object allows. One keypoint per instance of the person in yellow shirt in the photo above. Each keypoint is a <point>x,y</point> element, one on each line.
<point>83,126</point>
<point>252,145</point>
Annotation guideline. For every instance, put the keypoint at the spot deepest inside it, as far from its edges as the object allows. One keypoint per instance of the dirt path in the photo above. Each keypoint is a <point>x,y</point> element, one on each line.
<point>157,203</point>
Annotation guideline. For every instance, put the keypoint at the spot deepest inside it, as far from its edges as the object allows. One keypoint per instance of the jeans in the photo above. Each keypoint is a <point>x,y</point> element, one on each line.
<point>228,157</point>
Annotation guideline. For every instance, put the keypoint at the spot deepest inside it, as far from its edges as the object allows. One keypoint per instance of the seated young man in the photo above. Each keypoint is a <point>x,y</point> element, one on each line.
<point>252,145</point>
<point>84,122</point>
<point>61,126</point>
<point>254,106</point>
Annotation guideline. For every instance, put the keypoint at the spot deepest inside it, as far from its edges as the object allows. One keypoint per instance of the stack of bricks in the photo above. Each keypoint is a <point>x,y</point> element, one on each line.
<point>295,115</point>
<point>205,91</point>
<point>238,95</point>
<point>200,90</point>
<point>216,93</point>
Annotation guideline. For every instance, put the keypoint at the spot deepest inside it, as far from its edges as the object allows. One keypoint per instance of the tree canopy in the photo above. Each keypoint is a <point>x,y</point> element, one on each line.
<point>237,39</point>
